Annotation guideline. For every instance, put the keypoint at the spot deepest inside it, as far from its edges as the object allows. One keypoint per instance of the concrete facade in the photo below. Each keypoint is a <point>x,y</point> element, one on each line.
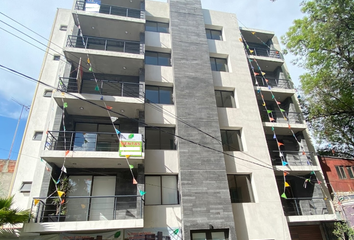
<point>197,185</point>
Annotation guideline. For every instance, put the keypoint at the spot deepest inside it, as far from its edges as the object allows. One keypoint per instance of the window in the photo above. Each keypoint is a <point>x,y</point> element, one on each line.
<point>219,64</point>
<point>56,57</point>
<point>63,27</point>
<point>217,234</point>
<point>160,138</point>
<point>341,172</point>
<point>240,188</point>
<point>231,140</point>
<point>350,171</point>
<point>225,99</point>
<point>162,95</point>
<point>213,34</point>
<point>157,58</point>
<point>47,93</point>
<point>37,136</point>
<point>156,27</point>
<point>161,190</point>
<point>26,187</point>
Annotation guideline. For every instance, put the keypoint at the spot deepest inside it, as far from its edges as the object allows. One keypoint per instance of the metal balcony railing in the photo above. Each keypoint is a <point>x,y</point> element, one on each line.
<point>304,206</point>
<point>265,52</point>
<point>87,208</point>
<point>107,87</point>
<point>113,10</point>
<point>81,141</point>
<point>274,82</point>
<point>105,44</point>
<point>293,158</point>
<point>291,117</point>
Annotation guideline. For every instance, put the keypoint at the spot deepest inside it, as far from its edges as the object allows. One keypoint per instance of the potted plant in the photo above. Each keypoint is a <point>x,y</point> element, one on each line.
<point>60,202</point>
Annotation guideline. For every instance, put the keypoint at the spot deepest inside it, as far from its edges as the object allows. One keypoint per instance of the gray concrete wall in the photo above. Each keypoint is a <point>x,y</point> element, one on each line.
<point>205,198</point>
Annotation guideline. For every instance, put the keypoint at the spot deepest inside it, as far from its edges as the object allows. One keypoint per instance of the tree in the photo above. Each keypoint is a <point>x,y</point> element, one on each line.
<point>323,43</point>
<point>342,231</point>
<point>9,215</point>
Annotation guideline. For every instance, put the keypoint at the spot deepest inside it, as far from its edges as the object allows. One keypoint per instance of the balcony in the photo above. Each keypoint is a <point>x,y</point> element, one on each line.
<point>274,82</point>
<point>278,117</point>
<point>107,87</point>
<point>86,213</point>
<point>305,206</point>
<point>267,59</point>
<point>83,148</point>
<point>124,21</point>
<point>293,158</point>
<point>107,55</point>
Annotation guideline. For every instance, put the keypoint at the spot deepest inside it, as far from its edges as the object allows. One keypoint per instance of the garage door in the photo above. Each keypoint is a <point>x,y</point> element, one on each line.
<point>311,232</point>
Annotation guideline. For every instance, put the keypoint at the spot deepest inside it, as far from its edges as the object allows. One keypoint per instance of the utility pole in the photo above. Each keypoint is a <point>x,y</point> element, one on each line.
<point>18,123</point>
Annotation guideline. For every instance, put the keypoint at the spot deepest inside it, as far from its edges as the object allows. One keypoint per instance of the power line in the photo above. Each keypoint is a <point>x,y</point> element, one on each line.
<point>110,110</point>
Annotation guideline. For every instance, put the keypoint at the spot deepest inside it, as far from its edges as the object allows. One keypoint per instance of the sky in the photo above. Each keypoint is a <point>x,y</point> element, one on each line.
<point>39,15</point>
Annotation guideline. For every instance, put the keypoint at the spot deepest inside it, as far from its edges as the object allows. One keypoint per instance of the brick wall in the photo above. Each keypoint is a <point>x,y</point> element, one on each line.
<point>7,168</point>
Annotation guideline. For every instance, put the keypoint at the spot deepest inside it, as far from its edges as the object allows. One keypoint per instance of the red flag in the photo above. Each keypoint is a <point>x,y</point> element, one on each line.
<point>280,144</point>
<point>109,107</point>
<point>67,152</point>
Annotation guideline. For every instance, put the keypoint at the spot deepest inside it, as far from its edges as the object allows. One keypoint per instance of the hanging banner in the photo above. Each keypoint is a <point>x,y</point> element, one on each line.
<point>153,233</point>
<point>130,144</point>
<point>113,235</point>
<point>79,76</point>
<point>92,6</point>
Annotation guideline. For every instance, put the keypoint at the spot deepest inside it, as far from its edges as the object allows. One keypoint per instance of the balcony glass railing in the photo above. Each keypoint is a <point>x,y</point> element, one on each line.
<point>265,52</point>
<point>87,208</point>
<point>105,44</point>
<point>293,158</point>
<point>107,87</point>
<point>81,141</point>
<point>304,206</point>
<point>274,82</point>
<point>108,9</point>
<point>291,117</point>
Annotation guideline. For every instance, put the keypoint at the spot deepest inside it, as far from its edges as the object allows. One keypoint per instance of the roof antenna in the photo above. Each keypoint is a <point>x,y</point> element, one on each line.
<point>18,123</point>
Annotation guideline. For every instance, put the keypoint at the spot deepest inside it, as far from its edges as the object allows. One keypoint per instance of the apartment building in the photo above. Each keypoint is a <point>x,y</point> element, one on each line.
<point>167,121</point>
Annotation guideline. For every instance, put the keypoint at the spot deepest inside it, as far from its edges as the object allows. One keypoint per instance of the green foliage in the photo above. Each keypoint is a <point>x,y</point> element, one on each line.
<point>64,186</point>
<point>323,42</point>
<point>9,215</point>
<point>342,231</point>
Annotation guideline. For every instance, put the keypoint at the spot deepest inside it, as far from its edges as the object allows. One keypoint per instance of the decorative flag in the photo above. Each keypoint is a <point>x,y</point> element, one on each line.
<point>63,93</point>
<point>274,136</point>
<point>113,119</point>
<point>289,126</point>
<point>142,193</point>
<point>312,172</point>
<point>109,107</point>
<point>253,33</point>
<point>273,96</point>
<point>280,144</point>
<point>278,103</point>
<point>259,90</point>
<point>134,181</point>
<point>175,232</point>
<point>240,39</point>
<point>287,184</point>
<point>63,168</point>
<point>282,110</point>
<point>266,80</point>
<point>284,196</point>
<point>60,193</point>
<point>248,47</point>
<point>256,74</point>
<point>269,87</point>
<point>90,69</point>
<point>101,98</point>
<point>47,168</point>
<point>36,201</point>
<point>285,173</point>
<point>303,153</point>
<point>269,111</point>
<point>263,73</point>
<point>67,152</point>
<point>281,154</point>
<point>285,118</point>
<point>57,182</point>
<point>273,129</point>
<point>251,51</point>
<point>251,61</point>
<point>117,234</point>
<point>97,88</point>
<point>127,156</point>
<point>284,163</point>
<point>117,131</point>
<point>88,61</point>
<point>271,119</point>
<point>62,201</point>
<point>263,104</point>
<point>65,105</point>
<point>131,166</point>
<point>319,182</point>
<point>83,206</point>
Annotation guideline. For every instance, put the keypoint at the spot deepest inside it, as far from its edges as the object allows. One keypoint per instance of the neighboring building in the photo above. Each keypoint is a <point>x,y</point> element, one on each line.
<point>7,168</point>
<point>339,175</point>
<point>212,105</point>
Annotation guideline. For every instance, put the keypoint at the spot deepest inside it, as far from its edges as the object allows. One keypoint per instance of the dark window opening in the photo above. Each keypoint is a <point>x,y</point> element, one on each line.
<point>214,34</point>
<point>157,58</point>
<point>160,138</point>
<point>225,99</point>
<point>231,140</point>
<point>161,95</point>
<point>219,64</point>
<point>240,188</point>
